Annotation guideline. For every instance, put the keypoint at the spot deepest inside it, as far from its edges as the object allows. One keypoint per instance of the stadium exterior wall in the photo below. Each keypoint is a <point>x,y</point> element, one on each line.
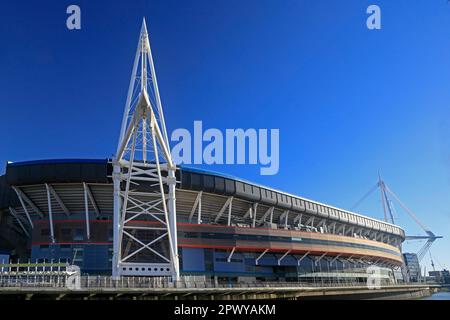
<point>290,235</point>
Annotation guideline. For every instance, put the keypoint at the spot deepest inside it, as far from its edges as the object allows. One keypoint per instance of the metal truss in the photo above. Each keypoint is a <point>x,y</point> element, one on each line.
<point>389,215</point>
<point>145,235</point>
<point>14,213</point>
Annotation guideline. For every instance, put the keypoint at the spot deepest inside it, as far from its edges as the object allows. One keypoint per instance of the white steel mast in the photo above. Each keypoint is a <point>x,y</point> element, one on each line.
<point>145,232</point>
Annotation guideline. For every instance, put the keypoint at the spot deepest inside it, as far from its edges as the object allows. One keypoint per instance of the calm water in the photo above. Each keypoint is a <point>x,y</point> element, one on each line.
<point>439,296</point>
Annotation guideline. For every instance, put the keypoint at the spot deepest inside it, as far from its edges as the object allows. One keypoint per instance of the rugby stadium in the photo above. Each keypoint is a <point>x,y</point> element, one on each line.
<point>139,214</point>
<point>62,210</point>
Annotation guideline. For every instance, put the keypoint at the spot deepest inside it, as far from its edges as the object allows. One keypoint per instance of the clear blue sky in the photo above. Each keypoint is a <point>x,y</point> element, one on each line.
<point>348,101</point>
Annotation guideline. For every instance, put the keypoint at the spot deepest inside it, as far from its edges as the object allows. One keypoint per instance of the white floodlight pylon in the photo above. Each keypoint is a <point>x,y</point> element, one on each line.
<point>145,232</point>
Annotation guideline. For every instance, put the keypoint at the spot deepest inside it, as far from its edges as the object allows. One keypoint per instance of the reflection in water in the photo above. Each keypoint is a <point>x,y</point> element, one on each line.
<point>439,296</point>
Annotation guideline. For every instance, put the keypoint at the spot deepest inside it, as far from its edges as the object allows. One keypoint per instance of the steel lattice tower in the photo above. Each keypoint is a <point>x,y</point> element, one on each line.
<point>145,233</point>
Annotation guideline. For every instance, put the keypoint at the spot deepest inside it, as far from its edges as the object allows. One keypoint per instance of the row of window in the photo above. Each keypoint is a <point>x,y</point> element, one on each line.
<point>61,246</point>
<point>78,233</point>
<point>76,255</point>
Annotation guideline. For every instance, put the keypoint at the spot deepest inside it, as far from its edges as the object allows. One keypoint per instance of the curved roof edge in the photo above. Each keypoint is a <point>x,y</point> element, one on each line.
<point>55,161</point>
<point>97,170</point>
<point>214,173</point>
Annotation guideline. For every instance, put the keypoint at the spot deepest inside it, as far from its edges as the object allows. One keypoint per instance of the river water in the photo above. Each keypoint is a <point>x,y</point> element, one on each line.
<point>439,296</point>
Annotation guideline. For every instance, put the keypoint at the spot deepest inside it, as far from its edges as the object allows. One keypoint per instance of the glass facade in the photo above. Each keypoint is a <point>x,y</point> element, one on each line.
<point>413,266</point>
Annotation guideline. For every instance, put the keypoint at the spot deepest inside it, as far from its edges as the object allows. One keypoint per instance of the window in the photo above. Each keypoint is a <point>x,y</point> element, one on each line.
<point>110,254</point>
<point>78,252</point>
<point>66,232</point>
<point>65,246</point>
<point>79,235</point>
<point>209,263</point>
<point>43,246</point>
<point>110,235</point>
<point>78,256</point>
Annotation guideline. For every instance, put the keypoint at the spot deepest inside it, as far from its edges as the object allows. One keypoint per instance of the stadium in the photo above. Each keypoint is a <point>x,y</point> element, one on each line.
<point>62,210</point>
<point>138,214</point>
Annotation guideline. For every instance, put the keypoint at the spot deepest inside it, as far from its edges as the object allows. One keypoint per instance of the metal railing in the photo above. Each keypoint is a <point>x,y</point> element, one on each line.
<point>107,282</point>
